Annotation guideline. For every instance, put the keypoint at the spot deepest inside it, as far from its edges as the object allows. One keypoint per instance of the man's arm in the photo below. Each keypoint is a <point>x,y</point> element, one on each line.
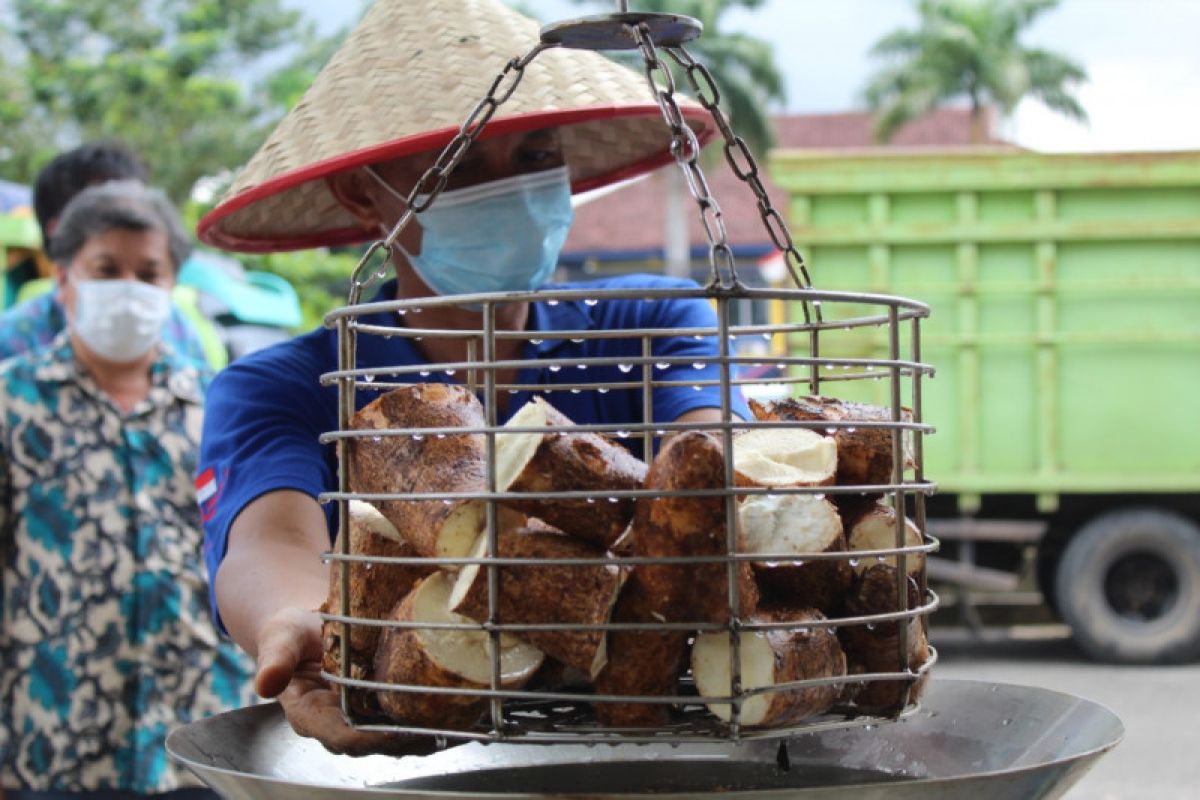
<point>271,581</point>
<point>703,415</point>
<point>268,587</point>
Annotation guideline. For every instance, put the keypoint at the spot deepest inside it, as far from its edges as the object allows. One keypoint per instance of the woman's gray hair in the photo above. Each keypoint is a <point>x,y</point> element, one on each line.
<point>118,205</point>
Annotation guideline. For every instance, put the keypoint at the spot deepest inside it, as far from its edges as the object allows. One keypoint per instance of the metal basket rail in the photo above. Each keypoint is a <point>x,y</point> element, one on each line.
<point>563,713</point>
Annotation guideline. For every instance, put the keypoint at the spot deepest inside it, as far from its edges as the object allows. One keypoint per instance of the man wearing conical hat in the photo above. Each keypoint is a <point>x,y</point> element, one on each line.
<point>337,171</point>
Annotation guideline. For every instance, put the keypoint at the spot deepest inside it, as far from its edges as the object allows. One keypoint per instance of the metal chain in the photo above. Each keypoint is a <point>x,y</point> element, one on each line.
<point>707,94</point>
<point>686,150</point>
<point>434,179</point>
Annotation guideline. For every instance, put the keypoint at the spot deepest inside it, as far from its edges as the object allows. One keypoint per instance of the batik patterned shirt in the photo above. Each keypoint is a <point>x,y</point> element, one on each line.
<point>106,641</point>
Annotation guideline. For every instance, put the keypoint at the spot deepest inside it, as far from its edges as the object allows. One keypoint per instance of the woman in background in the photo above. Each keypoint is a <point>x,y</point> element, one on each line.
<point>106,643</point>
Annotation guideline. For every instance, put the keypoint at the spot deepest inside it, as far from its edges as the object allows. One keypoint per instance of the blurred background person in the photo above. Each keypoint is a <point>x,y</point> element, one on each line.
<point>106,641</point>
<point>33,323</point>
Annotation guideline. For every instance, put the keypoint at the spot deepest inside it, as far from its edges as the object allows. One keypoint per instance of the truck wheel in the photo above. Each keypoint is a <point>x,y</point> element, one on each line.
<point>1128,584</point>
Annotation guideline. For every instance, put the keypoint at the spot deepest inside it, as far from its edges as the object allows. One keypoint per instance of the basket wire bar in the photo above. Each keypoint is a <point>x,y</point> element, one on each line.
<point>797,295</point>
<point>347,352</point>
<point>930,545</point>
<point>899,497</point>
<point>918,439</point>
<point>539,715</point>
<point>700,626</point>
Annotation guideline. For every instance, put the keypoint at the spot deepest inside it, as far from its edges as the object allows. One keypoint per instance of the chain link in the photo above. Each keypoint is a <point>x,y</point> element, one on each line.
<point>686,150</point>
<point>746,169</point>
<point>433,180</point>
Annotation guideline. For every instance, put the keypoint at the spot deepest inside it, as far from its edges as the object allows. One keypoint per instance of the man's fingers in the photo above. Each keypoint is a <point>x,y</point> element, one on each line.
<point>287,642</point>
<point>289,663</point>
<point>316,713</point>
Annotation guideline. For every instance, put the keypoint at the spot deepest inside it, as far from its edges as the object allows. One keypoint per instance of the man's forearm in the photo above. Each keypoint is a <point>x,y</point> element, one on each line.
<point>272,562</point>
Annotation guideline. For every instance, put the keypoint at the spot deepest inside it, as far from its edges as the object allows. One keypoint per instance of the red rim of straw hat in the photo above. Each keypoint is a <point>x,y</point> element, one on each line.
<point>210,231</point>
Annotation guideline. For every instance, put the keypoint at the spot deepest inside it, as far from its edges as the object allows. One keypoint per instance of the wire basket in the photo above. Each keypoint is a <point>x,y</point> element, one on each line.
<point>562,604</point>
<point>562,710</point>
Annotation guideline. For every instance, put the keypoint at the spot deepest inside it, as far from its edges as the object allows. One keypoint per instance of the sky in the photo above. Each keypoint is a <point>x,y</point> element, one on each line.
<point>1142,58</point>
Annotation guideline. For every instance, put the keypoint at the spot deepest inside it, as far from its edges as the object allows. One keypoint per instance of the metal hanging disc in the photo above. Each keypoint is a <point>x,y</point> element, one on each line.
<point>611,31</point>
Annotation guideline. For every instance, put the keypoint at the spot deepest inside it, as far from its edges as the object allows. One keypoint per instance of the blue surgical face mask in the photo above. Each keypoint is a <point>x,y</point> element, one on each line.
<point>502,236</point>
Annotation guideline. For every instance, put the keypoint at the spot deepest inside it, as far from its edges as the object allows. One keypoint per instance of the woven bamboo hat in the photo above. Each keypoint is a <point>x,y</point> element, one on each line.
<point>401,85</point>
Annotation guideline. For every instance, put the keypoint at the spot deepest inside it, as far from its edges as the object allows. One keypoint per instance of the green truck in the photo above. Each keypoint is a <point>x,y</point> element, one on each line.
<point>1065,330</point>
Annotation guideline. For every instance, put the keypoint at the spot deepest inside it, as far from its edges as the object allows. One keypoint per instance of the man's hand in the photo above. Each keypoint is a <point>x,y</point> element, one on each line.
<point>289,667</point>
<point>271,577</point>
<point>288,642</point>
<point>314,709</point>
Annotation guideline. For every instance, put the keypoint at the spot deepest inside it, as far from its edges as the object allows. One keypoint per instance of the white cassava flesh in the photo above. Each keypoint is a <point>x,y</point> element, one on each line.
<point>876,530</point>
<point>368,516</point>
<point>801,525</point>
<point>467,652</point>
<point>789,523</point>
<point>460,530</point>
<point>780,457</point>
<point>864,451</point>
<point>711,670</point>
<point>770,658</point>
<point>515,450</point>
<point>442,658</point>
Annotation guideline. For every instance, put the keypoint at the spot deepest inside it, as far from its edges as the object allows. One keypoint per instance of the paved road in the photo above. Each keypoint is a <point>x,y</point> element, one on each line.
<point>1160,706</point>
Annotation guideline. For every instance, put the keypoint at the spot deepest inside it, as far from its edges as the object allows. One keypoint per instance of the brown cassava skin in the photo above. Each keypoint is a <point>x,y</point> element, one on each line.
<point>801,653</point>
<point>374,591</point>
<point>689,526</point>
<point>820,584</point>
<point>400,658</point>
<point>362,703</point>
<point>579,462</point>
<point>375,588</point>
<point>864,454</point>
<point>549,594</point>
<point>639,662</point>
<point>877,649</point>
<point>404,464</point>
<point>649,662</point>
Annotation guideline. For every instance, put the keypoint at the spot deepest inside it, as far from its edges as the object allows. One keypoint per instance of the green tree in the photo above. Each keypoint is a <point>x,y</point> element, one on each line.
<point>969,49</point>
<point>286,85</point>
<point>182,82</point>
<point>743,68</point>
<point>25,132</point>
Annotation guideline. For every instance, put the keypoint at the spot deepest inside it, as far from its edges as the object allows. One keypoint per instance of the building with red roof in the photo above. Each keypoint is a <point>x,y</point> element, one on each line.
<point>623,229</point>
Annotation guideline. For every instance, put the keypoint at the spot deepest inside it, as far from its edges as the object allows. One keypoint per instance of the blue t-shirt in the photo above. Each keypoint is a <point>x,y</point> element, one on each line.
<point>265,412</point>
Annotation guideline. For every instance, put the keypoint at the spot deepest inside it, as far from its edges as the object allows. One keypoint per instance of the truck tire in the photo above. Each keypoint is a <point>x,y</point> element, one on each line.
<point>1128,584</point>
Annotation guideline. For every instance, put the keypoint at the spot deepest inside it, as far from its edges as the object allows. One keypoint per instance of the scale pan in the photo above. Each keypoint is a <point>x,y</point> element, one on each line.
<point>969,739</point>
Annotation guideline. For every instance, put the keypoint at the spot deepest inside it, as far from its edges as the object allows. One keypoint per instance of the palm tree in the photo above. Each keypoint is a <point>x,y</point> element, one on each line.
<point>969,49</point>
<point>748,81</point>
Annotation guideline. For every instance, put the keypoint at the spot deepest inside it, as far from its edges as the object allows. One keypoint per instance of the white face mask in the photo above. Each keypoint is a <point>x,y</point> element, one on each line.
<point>120,320</point>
